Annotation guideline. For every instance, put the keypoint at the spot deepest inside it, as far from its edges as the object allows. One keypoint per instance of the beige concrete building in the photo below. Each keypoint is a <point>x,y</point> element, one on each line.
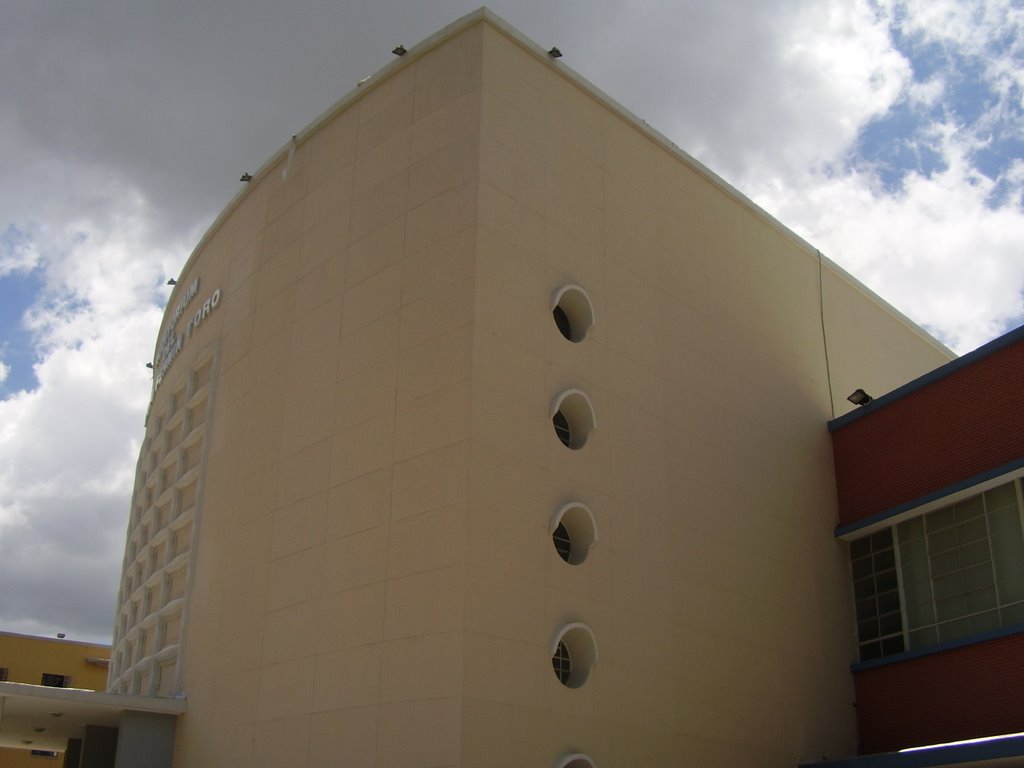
<point>488,429</point>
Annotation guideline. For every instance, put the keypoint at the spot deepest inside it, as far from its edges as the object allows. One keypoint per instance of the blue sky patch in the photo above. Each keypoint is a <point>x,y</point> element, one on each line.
<point>901,142</point>
<point>18,291</point>
<point>896,145</point>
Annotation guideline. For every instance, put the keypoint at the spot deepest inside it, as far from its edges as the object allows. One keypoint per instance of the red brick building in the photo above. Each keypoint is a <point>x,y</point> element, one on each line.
<point>930,500</point>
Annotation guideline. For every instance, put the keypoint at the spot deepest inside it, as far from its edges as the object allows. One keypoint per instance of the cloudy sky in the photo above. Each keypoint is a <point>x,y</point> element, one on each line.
<point>888,133</point>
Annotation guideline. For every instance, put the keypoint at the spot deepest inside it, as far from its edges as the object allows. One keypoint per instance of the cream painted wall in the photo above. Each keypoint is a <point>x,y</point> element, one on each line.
<point>717,594</point>
<point>373,580</point>
<point>325,617</point>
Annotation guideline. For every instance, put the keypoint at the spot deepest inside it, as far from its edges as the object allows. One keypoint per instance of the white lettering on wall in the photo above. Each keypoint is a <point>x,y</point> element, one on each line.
<point>167,345</point>
<point>172,342</point>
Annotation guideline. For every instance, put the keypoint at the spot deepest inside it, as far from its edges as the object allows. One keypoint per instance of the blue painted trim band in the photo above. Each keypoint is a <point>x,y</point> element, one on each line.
<point>929,757</point>
<point>1006,340</point>
<point>949,645</point>
<point>878,517</point>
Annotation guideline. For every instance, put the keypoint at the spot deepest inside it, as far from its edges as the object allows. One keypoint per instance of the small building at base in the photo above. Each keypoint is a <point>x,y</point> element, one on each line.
<point>54,711</point>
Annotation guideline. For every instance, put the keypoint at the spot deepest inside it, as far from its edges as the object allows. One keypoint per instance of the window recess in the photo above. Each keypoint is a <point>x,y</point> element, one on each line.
<point>946,575</point>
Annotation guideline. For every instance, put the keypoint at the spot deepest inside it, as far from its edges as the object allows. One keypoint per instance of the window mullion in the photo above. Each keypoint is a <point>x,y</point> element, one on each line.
<point>931,577</point>
<point>1018,487</point>
<point>904,618</point>
<point>992,560</point>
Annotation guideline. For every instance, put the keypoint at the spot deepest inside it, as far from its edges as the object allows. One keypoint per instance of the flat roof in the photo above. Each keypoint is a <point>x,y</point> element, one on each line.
<point>948,369</point>
<point>48,639</point>
<point>485,15</point>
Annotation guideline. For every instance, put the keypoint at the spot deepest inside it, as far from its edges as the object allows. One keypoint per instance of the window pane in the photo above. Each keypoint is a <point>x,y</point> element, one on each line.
<point>922,638</point>
<point>947,586</point>
<point>886,580</point>
<point>1005,523</point>
<point>912,529</point>
<point>968,509</point>
<point>891,645</point>
<point>984,622</point>
<point>972,530</point>
<point>1008,553</point>
<point>863,588</point>
<point>890,624</point>
<point>862,568</point>
<point>1012,590</point>
<point>961,572</point>
<point>920,614</point>
<point>978,576</point>
<point>889,602</point>
<point>860,547</point>
<point>1003,496</point>
<point>939,519</point>
<point>917,583</point>
<point>950,608</point>
<point>914,557</point>
<point>867,630</point>
<point>876,590</point>
<point>975,553</point>
<point>981,600</point>
<point>947,562</point>
<point>867,609</point>
<point>954,630</point>
<point>1012,586</point>
<point>870,651</point>
<point>1012,614</point>
<point>942,540</point>
<point>881,540</point>
<point>884,559</point>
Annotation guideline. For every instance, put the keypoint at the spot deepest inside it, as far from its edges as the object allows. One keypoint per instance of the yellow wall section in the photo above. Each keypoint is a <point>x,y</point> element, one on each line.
<point>27,658</point>
<point>23,758</point>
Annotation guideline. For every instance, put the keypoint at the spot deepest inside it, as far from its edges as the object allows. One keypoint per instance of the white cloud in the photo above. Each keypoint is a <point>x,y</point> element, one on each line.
<point>791,94</point>
<point>971,26</point>
<point>68,447</point>
<point>4,371</point>
<point>937,249</point>
<point>17,253</point>
<point>109,187</point>
<point>927,93</point>
<point>942,247</point>
<point>987,33</point>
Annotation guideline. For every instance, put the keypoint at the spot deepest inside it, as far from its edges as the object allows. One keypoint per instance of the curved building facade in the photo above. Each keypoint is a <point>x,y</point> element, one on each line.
<point>488,429</point>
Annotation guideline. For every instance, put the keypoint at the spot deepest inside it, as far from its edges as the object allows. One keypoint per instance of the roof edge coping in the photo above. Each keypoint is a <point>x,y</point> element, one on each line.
<point>484,14</point>
<point>948,369</point>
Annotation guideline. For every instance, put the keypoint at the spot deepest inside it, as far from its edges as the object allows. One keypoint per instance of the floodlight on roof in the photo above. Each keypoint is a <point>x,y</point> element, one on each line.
<point>246,176</point>
<point>171,281</point>
<point>554,53</point>
<point>399,50</point>
<point>859,397</point>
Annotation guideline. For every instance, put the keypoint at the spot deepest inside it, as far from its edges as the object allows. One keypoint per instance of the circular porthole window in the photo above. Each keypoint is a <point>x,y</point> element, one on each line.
<point>561,661</point>
<point>572,416</point>
<point>573,654</point>
<point>573,532</point>
<point>573,312</point>
<point>577,760</point>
